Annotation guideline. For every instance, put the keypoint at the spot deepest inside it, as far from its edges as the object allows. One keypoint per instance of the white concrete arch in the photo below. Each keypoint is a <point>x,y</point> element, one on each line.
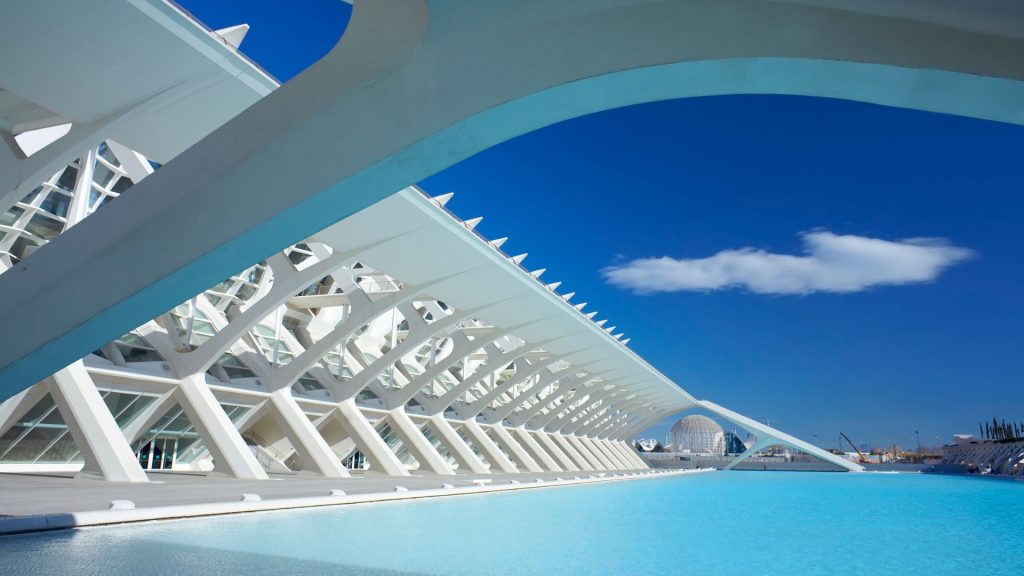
<point>386,103</point>
<point>767,436</point>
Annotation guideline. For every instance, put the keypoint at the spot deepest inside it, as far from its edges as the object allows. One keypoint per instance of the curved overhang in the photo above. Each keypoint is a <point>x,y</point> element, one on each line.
<point>414,87</point>
<point>141,72</point>
<point>415,240</point>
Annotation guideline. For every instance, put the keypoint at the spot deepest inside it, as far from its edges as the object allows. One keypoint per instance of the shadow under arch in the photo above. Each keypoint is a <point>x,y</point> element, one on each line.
<point>414,87</point>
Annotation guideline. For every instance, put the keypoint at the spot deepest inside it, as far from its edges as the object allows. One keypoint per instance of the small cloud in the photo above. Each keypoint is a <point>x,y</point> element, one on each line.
<point>830,263</point>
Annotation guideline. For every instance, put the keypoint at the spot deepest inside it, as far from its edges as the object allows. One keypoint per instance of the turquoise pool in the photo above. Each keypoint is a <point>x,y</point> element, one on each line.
<point>728,523</point>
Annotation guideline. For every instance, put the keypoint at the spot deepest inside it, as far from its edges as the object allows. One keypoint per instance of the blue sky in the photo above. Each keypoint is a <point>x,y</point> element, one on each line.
<point>799,298</point>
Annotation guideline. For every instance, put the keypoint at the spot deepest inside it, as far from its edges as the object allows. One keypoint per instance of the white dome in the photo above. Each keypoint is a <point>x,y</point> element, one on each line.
<point>698,434</point>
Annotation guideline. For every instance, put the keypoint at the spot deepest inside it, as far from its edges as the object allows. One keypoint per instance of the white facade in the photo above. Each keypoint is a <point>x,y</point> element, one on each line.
<point>395,339</point>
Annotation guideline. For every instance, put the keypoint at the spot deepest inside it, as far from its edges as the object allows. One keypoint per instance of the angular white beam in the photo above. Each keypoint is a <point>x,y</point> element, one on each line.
<point>230,454</point>
<point>602,460</point>
<point>767,436</point>
<point>630,454</point>
<point>603,449</point>
<point>569,448</point>
<point>92,426</point>
<point>316,455</point>
<point>534,448</point>
<point>482,441</point>
<point>414,441</point>
<point>521,455</point>
<point>366,438</point>
<point>559,454</point>
<point>463,454</point>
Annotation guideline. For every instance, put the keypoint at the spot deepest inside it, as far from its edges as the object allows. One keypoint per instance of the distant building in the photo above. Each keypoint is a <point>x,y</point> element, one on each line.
<point>698,435</point>
<point>733,444</point>
<point>647,444</point>
<point>964,439</point>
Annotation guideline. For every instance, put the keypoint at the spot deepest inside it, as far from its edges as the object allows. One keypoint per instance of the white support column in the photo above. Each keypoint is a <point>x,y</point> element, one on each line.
<point>598,453</point>
<point>623,451</point>
<point>610,454</point>
<point>535,449</point>
<point>494,454</point>
<point>316,455</point>
<point>369,442</point>
<point>629,453</point>
<point>92,426</point>
<point>230,454</point>
<point>417,443</point>
<point>524,459</point>
<point>582,463</point>
<point>462,453</point>
<point>616,450</point>
<point>585,452</point>
<point>564,460</point>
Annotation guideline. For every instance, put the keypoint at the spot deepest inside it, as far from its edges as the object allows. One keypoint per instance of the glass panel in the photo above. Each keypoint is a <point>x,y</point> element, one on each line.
<point>63,450</point>
<point>56,203</point>
<point>121,185</point>
<point>135,349</point>
<point>11,216</point>
<point>40,436</point>
<point>67,179</point>
<point>234,367</point>
<point>428,433</point>
<point>44,227</point>
<point>395,444</point>
<point>102,175</point>
<point>125,407</point>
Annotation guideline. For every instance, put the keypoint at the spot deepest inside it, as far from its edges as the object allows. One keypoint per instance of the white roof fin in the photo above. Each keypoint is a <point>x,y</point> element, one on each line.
<point>472,222</point>
<point>443,199</point>
<point>233,35</point>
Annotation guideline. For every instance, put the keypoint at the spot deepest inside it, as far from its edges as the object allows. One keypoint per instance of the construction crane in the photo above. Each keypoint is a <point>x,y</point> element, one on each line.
<point>863,459</point>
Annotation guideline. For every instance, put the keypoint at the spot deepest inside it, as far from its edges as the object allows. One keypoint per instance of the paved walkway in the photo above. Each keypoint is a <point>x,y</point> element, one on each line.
<point>45,502</point>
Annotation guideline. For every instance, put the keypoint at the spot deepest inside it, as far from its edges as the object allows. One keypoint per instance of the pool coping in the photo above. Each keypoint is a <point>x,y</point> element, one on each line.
<point>124,511</point>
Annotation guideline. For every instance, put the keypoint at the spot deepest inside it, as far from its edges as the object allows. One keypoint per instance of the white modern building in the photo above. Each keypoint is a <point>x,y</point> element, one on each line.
<point>243,281</point>
<point>696,434</point>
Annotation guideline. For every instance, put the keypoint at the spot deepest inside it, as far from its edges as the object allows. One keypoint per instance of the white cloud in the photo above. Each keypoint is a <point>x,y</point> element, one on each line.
<point>830,263</point>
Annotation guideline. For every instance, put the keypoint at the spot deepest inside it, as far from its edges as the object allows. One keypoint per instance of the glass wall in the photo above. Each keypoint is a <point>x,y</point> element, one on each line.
<point>41,436</point>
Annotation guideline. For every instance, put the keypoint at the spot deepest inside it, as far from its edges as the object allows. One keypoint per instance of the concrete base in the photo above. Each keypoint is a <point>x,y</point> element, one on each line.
<point>39,503</point>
